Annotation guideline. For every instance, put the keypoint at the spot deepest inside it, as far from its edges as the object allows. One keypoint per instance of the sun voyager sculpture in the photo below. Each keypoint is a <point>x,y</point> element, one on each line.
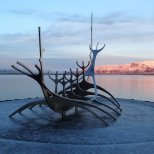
<point>75,92</point>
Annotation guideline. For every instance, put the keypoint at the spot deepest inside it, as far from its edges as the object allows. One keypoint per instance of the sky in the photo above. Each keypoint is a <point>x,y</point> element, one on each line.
<point>126,27</point>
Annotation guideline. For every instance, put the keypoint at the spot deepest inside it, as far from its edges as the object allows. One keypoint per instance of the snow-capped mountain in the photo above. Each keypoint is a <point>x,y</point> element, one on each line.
<point>145,67</point>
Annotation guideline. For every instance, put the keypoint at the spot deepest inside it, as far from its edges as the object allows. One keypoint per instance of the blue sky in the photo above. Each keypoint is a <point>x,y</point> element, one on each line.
<point>125,26</point>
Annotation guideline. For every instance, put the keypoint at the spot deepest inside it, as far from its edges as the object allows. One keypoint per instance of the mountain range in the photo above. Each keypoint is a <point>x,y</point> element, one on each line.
<point>136,68</point>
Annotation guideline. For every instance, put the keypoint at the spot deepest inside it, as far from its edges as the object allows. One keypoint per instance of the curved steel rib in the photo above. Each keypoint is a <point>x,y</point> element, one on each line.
<point>29,105</point>
<point>84,85</point>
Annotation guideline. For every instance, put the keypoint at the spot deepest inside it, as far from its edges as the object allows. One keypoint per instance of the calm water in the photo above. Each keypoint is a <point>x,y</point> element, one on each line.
<point>139,87</point>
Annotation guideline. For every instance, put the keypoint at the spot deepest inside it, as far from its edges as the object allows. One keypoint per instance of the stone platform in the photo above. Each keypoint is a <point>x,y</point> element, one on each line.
<point>41,131</point>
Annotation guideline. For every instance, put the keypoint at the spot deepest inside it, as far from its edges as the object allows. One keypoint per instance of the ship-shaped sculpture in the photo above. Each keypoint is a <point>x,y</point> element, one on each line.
<point>76,91</point>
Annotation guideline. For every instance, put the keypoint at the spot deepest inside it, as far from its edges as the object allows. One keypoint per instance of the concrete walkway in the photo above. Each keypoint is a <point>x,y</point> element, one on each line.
<point>41,131</point>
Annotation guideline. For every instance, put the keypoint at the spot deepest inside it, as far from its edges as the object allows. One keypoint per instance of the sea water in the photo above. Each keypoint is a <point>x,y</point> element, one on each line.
<point>140,87</point>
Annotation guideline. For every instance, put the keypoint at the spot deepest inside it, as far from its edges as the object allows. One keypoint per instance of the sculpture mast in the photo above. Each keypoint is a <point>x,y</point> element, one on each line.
<point>40,49</point>
<point>91,30</point>
<point>90,71</point>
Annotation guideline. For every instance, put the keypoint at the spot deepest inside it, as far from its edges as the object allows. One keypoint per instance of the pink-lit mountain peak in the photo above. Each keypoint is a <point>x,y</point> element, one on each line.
<point>148,63</point>
<point>145,67</point>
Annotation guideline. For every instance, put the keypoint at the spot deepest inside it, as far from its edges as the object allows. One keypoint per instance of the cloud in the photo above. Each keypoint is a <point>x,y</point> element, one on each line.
<point>17,44</point>
<point>71,34</point>
<point>116,17</point>
<point>22,11</point>
<point>64,17</point>
<point>108,19</point>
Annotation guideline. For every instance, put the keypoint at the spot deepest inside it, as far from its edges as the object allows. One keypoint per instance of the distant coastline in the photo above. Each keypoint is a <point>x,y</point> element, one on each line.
<point>136,68</point>
<point>95,73</point>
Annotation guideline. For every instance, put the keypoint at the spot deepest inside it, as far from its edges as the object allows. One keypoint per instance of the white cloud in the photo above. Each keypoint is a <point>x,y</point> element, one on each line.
<point>69,34</point>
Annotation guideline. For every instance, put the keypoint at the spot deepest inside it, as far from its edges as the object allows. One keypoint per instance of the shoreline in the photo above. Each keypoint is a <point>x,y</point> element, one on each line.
<point>8,100</point>
<point>28,98</point>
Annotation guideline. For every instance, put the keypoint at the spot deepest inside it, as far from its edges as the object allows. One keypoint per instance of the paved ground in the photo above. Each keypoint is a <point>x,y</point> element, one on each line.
<point>41,131</point>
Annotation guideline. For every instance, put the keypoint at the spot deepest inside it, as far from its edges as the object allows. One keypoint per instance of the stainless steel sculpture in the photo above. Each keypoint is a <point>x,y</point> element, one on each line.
<point>75,92</point>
